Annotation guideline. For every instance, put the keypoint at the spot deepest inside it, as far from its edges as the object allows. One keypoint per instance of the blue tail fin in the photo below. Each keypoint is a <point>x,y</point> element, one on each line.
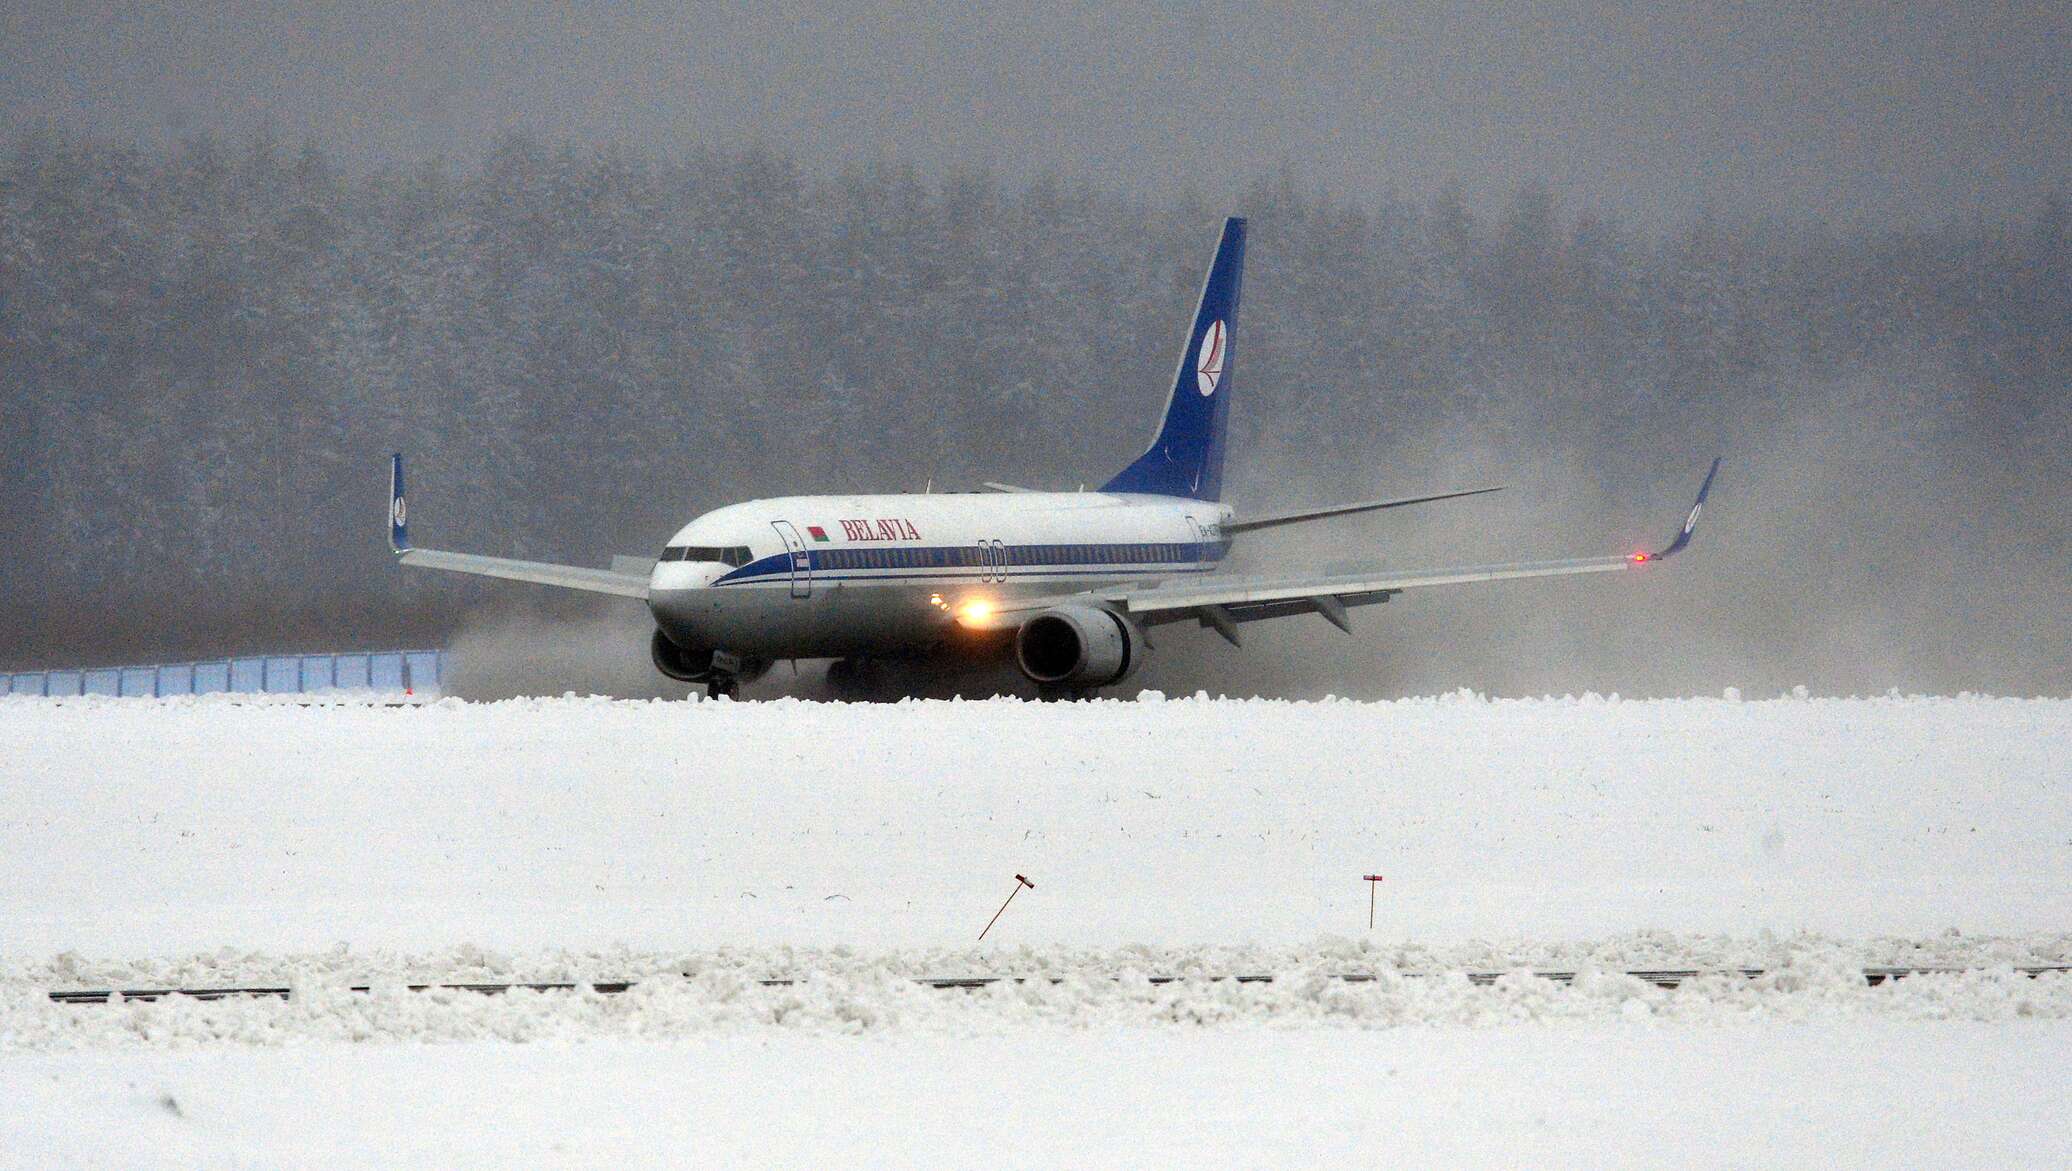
<point>1186,456</point>
<point>399,528</point>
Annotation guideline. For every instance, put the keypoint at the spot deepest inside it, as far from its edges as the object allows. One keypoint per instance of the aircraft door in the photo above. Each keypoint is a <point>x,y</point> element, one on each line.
<point>801,561</point>
<point>992,561</point>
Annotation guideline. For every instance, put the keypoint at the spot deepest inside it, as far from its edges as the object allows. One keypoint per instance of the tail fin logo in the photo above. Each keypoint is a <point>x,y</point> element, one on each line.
<point>1208,362</point>
<point>398,515</point>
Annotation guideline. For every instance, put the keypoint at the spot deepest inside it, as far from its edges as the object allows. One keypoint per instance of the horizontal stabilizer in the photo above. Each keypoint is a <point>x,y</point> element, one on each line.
<point>1248,524</point>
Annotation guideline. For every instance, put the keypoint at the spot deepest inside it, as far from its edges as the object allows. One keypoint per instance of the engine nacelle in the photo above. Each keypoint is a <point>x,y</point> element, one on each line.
<point>1078,646</point>
<point>684,666</point>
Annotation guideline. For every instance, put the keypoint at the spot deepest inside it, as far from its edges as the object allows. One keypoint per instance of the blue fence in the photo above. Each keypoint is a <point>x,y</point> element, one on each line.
<point>420,672</point>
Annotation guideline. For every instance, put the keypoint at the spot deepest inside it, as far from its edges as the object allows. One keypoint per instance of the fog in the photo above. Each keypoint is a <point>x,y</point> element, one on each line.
<point>597,276</point>
<point>1847,113</point>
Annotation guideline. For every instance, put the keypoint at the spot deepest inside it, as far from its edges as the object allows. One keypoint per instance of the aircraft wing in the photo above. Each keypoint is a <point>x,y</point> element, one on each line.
<point>570,577</point>
<point>617,580</point>
<point>1222,603</point>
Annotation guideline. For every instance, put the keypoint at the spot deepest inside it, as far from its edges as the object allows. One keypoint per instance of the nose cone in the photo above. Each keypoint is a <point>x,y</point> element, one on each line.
<point>680,595</point>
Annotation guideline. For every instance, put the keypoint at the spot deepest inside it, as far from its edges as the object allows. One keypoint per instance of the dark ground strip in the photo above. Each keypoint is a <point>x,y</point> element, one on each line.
<point>1664,978</point>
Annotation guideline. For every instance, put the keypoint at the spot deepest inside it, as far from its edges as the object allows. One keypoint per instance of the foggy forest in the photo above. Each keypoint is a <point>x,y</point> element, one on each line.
<point>208,349</point>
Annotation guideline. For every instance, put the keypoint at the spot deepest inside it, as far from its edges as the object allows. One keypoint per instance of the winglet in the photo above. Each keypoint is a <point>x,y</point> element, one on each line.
<point>1690,524</point>
<point>399,516</point>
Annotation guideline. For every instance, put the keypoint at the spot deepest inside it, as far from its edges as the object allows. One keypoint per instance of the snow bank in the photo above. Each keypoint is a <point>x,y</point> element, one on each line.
<point>468,964</point>
<point>845,992</point>
<point>874,1000</point>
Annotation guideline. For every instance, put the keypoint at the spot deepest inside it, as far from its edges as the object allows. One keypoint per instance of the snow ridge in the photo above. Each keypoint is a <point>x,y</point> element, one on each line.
<point>844,992</point>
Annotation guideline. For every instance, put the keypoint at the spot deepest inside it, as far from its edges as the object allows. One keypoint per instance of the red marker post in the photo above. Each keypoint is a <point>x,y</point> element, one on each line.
<point>1019,883</point>
<point>1373,880</point>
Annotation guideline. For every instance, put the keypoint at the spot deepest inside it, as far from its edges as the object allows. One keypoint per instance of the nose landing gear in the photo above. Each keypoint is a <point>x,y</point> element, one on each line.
<point>721,673</point>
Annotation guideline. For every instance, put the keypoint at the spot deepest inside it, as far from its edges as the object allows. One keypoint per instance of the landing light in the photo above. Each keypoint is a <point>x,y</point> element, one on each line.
<point>976,610</point>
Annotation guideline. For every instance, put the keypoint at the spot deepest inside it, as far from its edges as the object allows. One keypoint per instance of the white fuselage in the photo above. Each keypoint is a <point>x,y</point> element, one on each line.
<point>814,576</point>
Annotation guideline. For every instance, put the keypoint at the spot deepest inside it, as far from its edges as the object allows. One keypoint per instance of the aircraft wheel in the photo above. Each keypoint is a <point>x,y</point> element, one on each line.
<point>854,680</point>
<point>720,685</point>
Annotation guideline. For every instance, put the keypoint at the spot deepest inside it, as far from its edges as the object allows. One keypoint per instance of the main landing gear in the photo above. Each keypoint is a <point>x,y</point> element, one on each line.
<point>855,680</point>
<point>722,685</point>
<point>1057,693</point>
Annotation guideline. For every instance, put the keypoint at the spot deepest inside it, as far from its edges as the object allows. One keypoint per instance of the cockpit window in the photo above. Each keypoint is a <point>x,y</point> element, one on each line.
<point>734,555</point>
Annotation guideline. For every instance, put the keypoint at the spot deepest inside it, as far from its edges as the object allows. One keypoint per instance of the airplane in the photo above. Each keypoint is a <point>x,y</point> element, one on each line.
<point>1068,585</point>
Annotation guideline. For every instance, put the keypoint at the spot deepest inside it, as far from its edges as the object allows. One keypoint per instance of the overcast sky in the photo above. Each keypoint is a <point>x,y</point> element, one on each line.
<point>1814,110</point>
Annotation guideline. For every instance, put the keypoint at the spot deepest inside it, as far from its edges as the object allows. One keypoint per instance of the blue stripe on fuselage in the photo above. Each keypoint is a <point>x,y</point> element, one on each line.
<point>1060,560</point>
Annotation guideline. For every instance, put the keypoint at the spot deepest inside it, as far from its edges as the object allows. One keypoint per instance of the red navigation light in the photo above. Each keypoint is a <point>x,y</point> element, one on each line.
<point>1637,558</point>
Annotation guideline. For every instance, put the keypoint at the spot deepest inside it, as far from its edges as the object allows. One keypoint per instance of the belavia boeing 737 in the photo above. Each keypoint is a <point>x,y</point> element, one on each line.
<point>1066,583</point>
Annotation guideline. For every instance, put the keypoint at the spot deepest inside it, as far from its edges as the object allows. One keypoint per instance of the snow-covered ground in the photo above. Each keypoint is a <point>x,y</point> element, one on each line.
<point>1872,1095</point>
<point>138,827</point>
<point>703,846</point>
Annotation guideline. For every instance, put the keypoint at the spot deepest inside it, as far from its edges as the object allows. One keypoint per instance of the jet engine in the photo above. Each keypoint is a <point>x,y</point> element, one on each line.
<point>684,666</point>
<point>1078,646</point>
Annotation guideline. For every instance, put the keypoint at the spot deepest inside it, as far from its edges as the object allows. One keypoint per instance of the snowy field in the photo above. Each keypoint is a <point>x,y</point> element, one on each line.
<point>140,828</point>
<point>703,847</point>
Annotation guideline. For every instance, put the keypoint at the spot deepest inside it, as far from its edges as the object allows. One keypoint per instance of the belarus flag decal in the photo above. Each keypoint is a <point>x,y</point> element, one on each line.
<point>819,534</point>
